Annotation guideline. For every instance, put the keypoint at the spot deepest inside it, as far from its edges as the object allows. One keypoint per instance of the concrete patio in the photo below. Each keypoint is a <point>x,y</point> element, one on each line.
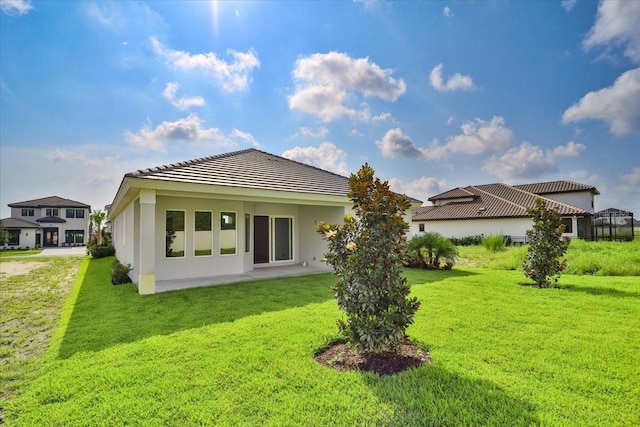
<point>256,274</point>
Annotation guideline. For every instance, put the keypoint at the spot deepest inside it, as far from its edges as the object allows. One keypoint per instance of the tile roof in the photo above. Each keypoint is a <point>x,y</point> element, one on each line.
<point>51,219</point>
<point>552,187</point>
<point>250,168</point>
<point>18,223</point>
<point>490,201</point>
<point>49,202</point>
<point>452,194</point>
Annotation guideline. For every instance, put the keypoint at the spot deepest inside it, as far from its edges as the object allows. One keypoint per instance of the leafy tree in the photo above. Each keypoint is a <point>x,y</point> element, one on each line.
<point>97,219</point>
<point>546,245</point>
<point>366,253</point>
<point>432,249</point>
<point>4,235</point>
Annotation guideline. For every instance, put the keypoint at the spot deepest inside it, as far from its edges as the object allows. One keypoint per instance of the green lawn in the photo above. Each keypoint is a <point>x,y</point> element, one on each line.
<point>592,258</point>
<point>504,354</point>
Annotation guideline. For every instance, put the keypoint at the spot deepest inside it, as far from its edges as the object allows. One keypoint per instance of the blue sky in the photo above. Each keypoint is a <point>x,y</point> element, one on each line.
<point>433,95</point>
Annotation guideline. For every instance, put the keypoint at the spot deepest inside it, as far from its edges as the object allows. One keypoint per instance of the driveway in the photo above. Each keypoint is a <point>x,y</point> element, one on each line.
<point>71,251</point>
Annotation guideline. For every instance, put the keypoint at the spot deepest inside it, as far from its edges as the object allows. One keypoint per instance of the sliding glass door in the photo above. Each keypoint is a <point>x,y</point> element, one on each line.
<point>272,239</point>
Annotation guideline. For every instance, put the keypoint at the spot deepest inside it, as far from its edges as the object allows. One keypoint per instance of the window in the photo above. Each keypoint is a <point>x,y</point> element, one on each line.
<point>79,213</point>
<point>174,235</point>
<point>203,234</point>
<point>247,232</point>
<point>28,212</point>
<point>52,212</point>
<point>421,228</point>
<point>74,236</point>
<point>14,238</point>
<point>71,213</point>
<point>228,233</point>
<point>282,239</point>
<point>568,225</point>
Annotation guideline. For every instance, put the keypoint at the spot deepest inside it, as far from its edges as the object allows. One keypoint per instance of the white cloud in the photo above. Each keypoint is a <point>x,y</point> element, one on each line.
<point>480,136</point>
<point>324,102</point>
<point>453,83</point>
<point>421,188</point>
<point>396,143</point>
<point>525,161</point>
<point>326,156</point>
<point>572,149</point>
<point>617,105</point>
<point>320,132</point>
<point>15,7</point>
<point>617,25</point>
<point>568,5</point>
<point>529,161</point>
<point>238,135</point>
<point>182,103</point>
<point>232,76</point>
<point>188,129</point>
<point>325,82</point>
<point>446,12</point>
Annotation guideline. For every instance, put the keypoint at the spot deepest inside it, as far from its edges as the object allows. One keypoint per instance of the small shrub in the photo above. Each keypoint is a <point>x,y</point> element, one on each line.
<point>434,251</point>
<point>546,245</point>
<point>494,242</point>
<point>120,273</point>
<point>366,254</point>
<point>467,240</point>
<point>101,251</point>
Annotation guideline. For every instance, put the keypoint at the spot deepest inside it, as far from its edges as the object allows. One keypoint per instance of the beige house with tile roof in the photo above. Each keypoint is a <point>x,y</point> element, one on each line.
<point>502,209</point>
<point>224,215</point>
<point>48,221</point>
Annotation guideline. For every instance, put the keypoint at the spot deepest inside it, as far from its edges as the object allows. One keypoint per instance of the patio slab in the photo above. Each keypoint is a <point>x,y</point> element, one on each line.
<point>255,274</point>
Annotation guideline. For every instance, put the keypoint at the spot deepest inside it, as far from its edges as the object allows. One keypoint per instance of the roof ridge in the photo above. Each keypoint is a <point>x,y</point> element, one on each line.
<point>188,162</point>
<point>502,198</point>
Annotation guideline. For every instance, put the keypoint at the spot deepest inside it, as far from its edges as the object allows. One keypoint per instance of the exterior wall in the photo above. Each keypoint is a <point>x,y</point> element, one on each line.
<point>123,239</point>
<point>312,246</point>
<point>583,199</point>
<point>27,239</point>
<point>191,266</point>
<point>515,227</point>
<point>462,228</point>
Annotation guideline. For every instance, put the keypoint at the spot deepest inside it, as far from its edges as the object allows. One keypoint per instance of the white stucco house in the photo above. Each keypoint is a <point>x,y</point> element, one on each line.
<point>224,215</point>
<point>502,209</point>
<point>48,221</point>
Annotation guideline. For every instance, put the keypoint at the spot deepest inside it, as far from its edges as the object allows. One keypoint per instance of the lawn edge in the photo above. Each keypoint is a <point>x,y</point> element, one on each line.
<point>65,314</point>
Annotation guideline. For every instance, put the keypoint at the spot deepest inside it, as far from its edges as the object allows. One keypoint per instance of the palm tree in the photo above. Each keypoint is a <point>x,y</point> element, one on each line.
<point>97,218</point>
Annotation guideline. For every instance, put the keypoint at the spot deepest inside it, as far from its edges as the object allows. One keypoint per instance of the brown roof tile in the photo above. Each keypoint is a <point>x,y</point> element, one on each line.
<point>490,201</point>
<point>18,223</point>
<point>49,202</point>
<point>552,187</point>
<point>251,169</point>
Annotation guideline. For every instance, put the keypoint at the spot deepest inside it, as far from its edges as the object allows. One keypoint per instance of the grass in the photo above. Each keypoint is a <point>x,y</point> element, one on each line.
<point>504,354</point>
<point>583,257</point>
<point>6,253</point>
<point>30,312</point>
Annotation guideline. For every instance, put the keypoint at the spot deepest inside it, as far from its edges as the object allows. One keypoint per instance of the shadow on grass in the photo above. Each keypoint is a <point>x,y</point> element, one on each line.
<point>417,277</point>
<point>600,291</point>
<point>105,315</point>
<point>433,396</point>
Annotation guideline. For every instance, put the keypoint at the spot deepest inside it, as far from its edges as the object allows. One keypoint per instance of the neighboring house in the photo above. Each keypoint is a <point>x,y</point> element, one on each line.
<point>502,209</point>
<point>50,221</point>
<point>223,215</point>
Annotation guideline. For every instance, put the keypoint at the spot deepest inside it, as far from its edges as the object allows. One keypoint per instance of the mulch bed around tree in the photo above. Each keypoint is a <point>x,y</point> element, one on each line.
<point>340,357</point>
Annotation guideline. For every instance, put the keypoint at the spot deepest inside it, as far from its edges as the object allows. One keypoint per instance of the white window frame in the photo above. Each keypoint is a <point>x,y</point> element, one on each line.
<point>221,230</point>
<point>194,234</point>
<point>164,236</point>
<point>272,232</point>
